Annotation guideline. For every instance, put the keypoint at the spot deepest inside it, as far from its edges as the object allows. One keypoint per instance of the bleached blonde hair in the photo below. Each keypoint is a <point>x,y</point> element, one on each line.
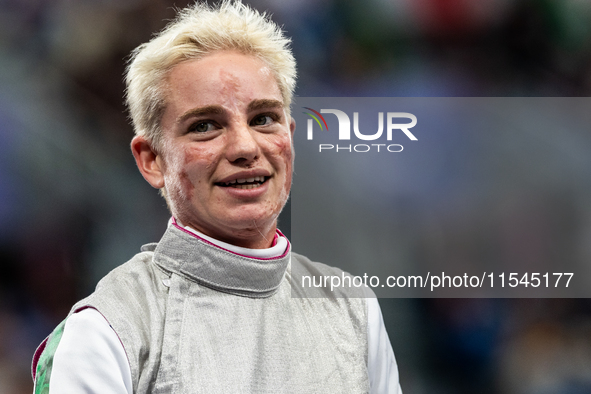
<point>197,31</point>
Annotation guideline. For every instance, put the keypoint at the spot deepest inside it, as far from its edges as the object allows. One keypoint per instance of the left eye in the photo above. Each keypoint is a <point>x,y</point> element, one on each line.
<point>261,120</point>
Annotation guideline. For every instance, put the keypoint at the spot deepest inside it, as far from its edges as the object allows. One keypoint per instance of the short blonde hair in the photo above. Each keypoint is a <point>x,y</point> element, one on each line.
<point>197,31</point>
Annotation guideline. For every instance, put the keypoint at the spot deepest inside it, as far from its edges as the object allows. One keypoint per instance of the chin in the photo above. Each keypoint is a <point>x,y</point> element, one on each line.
<point>253,221</point>
<point>246,218</point>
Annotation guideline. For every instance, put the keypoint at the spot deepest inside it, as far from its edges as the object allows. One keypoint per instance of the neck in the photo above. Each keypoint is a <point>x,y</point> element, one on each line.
<point>254,238</point>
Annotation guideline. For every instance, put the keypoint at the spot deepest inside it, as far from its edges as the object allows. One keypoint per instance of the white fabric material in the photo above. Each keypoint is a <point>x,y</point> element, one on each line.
<point>90,358</point>
<point>90,347</point>
<point>274,251</point>
<point>381,364</point>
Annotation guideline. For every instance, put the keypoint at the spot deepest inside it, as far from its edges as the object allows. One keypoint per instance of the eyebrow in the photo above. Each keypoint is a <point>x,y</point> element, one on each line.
<point>207,110</point>
<point>264,103</point>
<point>218,110</point>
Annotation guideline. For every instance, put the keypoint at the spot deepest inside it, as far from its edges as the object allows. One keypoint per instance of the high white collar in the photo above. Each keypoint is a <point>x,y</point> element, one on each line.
<point>278,248</point>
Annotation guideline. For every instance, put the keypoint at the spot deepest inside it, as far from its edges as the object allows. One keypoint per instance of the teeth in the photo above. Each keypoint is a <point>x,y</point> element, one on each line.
<point>260,179</point>
<point>250,186</point>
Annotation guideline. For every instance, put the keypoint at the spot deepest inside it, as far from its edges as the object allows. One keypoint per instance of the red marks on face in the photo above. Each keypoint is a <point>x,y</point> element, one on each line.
<point>186,184</point>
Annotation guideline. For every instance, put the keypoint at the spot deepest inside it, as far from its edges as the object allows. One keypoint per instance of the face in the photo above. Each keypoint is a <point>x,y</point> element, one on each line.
<point>226,157</point>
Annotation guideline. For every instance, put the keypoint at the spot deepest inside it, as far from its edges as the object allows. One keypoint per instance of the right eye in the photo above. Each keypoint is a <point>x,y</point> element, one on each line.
<point>201,127</point>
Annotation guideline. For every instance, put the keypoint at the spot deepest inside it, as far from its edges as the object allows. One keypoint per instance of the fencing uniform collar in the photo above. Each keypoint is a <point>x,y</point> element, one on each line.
<point>183,253</point>
<point>278,247</point>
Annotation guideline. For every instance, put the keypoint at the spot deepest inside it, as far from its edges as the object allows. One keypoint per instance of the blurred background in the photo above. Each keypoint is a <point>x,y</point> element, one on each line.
<point>73,206</point>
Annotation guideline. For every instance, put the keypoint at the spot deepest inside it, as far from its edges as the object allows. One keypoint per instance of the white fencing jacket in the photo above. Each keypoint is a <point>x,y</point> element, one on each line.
<point>193,314</point>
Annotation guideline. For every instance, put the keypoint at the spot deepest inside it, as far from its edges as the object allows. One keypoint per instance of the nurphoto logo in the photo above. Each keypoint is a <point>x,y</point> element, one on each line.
<point>345,130</point>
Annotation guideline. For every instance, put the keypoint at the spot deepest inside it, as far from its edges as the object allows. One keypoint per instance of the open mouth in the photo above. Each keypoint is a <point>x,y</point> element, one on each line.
<point>245,183</point>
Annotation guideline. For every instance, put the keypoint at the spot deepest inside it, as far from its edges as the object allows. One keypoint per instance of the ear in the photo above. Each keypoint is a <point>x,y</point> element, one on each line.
<point>292,126</point>
<point>148,161</point>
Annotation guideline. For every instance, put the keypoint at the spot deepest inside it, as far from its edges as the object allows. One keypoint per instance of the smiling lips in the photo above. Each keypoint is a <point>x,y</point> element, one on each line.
<point>245,183</point>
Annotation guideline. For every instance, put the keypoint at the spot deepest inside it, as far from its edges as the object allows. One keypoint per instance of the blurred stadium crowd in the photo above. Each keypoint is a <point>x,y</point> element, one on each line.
<point>73,206</point>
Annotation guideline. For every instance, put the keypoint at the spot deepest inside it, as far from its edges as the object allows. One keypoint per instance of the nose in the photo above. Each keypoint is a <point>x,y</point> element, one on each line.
<point>242,147</point>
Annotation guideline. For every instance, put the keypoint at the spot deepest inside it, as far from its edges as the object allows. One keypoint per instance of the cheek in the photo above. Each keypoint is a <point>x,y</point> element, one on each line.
<point>198,166</point>
<point>176,180</point>
<point>282,149</point>
<point>189,170</point>
<point>186,186</point>
<point>283,154</point>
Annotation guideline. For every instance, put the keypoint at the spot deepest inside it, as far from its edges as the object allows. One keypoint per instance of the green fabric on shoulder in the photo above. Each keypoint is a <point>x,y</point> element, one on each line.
<point>45,364</point>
